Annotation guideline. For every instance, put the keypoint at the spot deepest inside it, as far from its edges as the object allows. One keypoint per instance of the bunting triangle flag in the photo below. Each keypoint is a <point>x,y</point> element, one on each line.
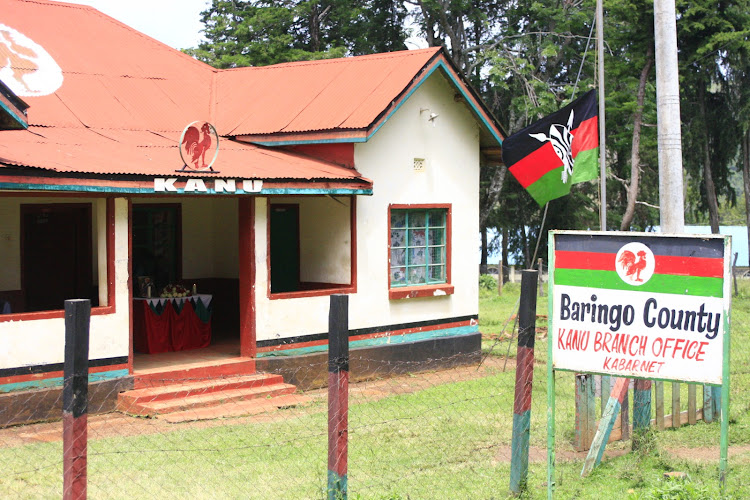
<point>560,150</point>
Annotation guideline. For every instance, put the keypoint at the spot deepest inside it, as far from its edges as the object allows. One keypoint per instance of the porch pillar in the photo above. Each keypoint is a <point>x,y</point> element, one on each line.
<point>246,216</point>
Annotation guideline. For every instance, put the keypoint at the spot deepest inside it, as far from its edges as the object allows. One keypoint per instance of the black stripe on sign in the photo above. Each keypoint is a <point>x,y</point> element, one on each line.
<point>709,247</point>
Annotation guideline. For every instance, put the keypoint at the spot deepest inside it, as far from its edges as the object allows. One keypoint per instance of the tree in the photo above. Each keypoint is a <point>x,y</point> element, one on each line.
<point>711,36</point>
<point>263,32</point>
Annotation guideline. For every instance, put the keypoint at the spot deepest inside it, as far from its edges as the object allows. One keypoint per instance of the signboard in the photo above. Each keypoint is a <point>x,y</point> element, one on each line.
<point>640,304</point>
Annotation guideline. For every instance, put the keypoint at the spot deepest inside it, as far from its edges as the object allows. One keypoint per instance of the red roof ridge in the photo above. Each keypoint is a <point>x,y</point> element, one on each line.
<point>334,60</point>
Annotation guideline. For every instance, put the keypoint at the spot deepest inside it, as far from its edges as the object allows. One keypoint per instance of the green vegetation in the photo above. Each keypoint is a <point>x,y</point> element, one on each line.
<point>443,434</point>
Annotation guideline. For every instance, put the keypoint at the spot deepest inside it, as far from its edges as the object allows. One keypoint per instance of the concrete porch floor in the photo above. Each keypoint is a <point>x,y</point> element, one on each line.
<point>220,350</point>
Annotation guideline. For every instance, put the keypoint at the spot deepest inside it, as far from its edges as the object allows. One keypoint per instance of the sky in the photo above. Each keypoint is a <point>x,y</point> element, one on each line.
<point>173,22</point>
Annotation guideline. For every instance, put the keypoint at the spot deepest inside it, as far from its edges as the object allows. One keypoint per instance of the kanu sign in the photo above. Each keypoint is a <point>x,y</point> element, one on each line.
<point>229,186</point>
<point>640,305</point>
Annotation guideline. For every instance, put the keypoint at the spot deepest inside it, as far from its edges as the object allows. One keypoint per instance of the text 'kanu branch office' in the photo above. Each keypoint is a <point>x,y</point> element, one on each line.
<point>202,209</point>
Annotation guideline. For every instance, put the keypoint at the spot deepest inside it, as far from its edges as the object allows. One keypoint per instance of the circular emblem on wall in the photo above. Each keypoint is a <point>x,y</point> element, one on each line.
<point>199,146</point>
<point>25,67</point>
<point>635,263</point>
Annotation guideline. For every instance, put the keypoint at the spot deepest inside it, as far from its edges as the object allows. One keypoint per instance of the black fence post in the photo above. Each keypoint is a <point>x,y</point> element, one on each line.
<point>519,464</point>
<point>338,396</point>
<point>75,398</point>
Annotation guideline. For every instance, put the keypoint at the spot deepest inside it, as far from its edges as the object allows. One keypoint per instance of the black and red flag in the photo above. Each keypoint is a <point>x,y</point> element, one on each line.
<point>561,149</point>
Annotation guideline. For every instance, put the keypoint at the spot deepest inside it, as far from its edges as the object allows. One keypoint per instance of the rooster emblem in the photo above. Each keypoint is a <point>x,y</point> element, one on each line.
<point>195,146</point>
<point>632,266</point>
<point>635,263</point>
<point>25,67</point>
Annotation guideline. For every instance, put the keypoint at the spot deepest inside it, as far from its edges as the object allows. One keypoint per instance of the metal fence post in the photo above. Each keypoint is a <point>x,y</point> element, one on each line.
<point>338,396</point>
<point>75,398</point>
<point>519,465</point>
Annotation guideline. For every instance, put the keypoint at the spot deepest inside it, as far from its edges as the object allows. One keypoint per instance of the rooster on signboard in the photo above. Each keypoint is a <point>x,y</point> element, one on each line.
<point>632,266</point>
<point>195,146</point>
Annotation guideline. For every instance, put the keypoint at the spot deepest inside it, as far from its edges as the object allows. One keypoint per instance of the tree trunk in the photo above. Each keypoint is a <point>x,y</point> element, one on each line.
<point>505,265</point>
<point>493,194</point>
<point>746,177</point>
<point>713,204</point>
<point>483,263</point>
<point>635,151</point>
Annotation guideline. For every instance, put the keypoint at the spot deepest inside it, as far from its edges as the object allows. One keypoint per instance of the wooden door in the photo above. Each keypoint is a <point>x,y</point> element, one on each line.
<point>284,248</point>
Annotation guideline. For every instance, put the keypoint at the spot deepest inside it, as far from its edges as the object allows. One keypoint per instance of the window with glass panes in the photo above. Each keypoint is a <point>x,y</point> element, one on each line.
<point>418,246</point>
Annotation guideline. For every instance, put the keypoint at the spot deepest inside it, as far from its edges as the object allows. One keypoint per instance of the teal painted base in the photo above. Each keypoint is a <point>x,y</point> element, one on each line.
<point>58,381</point>
<point>391,339</point>
<point>519,462</point>
<point>641,409</point>
<point>337,486</point>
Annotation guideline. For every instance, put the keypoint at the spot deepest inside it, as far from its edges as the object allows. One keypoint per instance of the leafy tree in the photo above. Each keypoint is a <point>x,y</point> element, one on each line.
<point>708,35</point>
<point>263,32</point>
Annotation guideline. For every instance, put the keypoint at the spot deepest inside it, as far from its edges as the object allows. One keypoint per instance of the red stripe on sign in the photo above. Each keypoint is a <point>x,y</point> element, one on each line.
<point>532,167</point>
<point>690,266</point>
<point>586,136</point>
<point>680,266</point>
<point>593,261</point>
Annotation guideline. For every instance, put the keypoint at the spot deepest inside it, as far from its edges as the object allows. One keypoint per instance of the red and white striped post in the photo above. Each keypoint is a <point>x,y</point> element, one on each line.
<point>75,398</point>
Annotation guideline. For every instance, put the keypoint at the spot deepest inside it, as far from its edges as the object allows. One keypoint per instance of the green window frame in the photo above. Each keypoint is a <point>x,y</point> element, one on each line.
<point>419,251</point>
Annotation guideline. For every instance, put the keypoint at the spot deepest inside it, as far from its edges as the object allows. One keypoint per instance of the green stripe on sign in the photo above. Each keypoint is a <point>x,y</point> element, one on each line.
<point>659,283</point>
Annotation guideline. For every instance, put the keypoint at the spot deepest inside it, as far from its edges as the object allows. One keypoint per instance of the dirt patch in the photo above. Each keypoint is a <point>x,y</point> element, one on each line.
<point>538,454</point>
<point>119,424</point>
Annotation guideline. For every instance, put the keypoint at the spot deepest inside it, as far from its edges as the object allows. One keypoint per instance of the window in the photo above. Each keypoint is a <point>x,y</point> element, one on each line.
<point>56,251</point>
<point>419,250</point>
<point>311,246</point>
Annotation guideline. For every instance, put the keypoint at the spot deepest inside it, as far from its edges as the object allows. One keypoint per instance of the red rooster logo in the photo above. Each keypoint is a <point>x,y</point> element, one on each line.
<point>195,146</point>
<point>632,266</point>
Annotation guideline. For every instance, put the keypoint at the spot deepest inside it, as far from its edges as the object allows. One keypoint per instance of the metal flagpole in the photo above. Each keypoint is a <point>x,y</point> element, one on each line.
<point>602,146</point>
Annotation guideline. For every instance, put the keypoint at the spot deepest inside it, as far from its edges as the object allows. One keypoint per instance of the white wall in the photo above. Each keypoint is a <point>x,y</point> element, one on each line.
<point>450,146</point>
<point>39,342</point>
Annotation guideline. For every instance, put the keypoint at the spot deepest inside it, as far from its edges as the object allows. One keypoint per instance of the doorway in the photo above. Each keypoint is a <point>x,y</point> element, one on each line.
<point>285,252</point>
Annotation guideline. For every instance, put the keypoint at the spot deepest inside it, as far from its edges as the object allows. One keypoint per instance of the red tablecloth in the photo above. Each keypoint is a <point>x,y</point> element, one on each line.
<point>163,325</point>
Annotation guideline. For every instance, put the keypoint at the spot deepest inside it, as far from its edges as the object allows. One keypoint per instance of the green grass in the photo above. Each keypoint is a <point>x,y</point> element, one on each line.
<point>451,439</point>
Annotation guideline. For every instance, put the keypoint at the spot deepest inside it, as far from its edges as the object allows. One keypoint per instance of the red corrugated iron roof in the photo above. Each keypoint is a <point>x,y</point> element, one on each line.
<point>104,151</point>
<point>348,93</point>
<point>113,76</point>
<point>120,88</point>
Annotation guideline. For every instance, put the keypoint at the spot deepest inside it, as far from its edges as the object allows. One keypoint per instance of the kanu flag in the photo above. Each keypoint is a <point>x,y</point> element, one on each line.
<point>640,304</point>
<point>561,149</point>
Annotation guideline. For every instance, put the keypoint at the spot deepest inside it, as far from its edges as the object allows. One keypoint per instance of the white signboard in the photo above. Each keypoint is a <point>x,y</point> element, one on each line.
<point>640,305</point>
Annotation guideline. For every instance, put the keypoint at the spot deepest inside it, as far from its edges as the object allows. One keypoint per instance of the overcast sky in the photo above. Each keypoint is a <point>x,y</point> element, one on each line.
<point>173,22</point>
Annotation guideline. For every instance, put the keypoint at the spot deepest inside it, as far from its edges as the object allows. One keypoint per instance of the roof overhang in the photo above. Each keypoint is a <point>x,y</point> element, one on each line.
<point>12,110</point>
<point>142,162</point>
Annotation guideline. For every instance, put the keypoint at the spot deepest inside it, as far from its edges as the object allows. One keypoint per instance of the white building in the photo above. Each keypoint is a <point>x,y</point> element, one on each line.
<point>356,175</point>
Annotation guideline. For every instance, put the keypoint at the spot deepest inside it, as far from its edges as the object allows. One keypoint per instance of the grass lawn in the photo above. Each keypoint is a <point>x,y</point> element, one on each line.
<point>439,435</point>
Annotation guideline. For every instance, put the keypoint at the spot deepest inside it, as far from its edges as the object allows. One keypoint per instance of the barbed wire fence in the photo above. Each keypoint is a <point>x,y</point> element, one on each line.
<point>441,429</point>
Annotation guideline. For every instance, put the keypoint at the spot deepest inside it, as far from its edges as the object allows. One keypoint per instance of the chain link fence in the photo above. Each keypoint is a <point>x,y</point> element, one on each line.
<point>412,433</point>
